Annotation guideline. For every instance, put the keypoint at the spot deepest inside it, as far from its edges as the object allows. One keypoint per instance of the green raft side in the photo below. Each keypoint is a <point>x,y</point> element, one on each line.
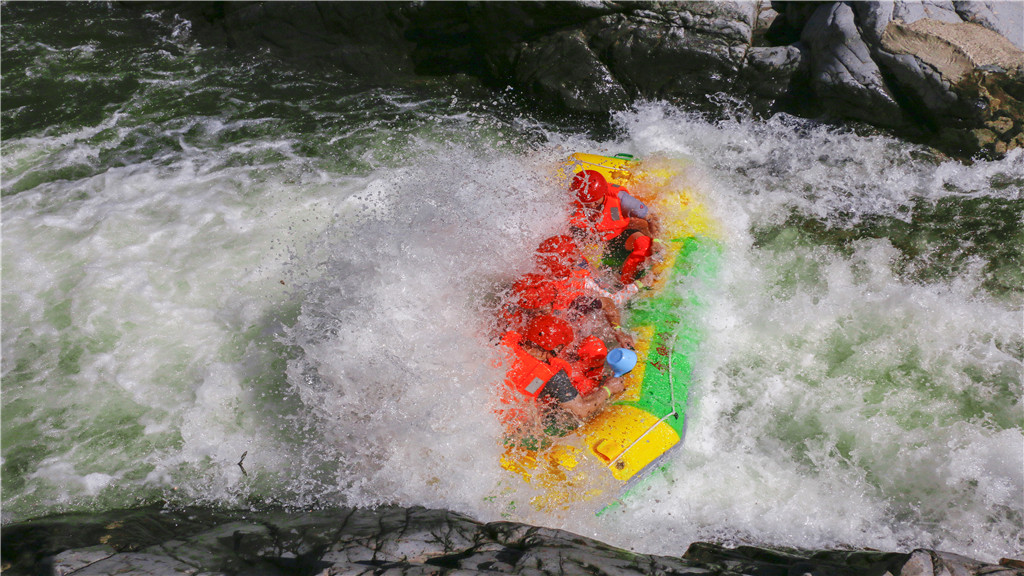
<point>675,313</point>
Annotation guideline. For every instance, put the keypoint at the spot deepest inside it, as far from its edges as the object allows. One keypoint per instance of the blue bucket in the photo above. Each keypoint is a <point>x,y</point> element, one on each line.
<point>621,360</point>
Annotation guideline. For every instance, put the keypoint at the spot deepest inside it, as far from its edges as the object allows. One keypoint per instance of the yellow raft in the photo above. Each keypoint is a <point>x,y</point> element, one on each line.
<point>627,439</point>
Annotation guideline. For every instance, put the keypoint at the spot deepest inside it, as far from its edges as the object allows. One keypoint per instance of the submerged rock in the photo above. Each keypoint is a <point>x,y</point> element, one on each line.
<point>397,541</point>
<point>946,73</point>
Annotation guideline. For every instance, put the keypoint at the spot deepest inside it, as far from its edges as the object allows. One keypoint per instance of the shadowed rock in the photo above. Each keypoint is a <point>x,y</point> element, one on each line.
<point>843,74</point>
<point>399,541</point>
<point>941,72</point>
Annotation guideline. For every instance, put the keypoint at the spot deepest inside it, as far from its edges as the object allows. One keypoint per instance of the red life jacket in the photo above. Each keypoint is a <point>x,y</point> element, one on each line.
<point>612,221</point>
<point>528,375</point>
<point>568,289</point>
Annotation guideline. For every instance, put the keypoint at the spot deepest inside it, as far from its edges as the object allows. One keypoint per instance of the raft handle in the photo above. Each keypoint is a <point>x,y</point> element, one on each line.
<point>623,156</point>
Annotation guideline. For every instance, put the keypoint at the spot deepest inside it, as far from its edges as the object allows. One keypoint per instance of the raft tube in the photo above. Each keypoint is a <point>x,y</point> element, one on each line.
<point>648,418</point>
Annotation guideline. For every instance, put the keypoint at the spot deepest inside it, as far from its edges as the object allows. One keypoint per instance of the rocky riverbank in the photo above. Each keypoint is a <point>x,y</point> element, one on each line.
<point>399,541</point>
<point>946,73</point>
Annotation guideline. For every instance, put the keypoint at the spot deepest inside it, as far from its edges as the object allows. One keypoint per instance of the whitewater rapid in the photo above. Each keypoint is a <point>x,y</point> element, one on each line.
<point>286,301</point>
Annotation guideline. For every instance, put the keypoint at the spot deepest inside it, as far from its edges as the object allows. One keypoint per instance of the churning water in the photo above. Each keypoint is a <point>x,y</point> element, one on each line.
<point>206,257</point>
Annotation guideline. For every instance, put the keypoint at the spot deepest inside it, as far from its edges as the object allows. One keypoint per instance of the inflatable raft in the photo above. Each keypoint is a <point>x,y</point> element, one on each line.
<point>605,457</point>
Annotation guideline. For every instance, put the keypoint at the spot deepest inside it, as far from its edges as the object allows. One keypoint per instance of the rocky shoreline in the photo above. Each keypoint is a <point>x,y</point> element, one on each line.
<point>946,73</point>
<point>402,541</point>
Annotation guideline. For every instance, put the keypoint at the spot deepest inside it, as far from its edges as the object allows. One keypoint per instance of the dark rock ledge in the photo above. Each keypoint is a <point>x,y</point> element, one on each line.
<point>398,541</point>
<point>943,72</point>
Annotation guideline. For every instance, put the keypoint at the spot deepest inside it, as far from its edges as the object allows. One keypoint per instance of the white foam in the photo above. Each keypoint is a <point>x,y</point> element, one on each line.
<point>839,400</point>
<point>836,402</point>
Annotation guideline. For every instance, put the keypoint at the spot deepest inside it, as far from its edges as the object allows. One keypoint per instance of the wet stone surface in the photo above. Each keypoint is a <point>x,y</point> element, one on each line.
<point>400,541</point>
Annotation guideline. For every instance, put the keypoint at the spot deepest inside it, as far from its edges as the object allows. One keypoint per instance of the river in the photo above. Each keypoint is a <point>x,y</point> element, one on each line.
<point>230,282</point>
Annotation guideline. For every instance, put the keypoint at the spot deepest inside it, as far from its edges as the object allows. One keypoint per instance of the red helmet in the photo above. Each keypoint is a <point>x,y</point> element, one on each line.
<point>549,332</point>
<point>533,291</point>
<point>562,245</point>
<point>592,351</point>
<point>557,255</point>
<point>589,185</point>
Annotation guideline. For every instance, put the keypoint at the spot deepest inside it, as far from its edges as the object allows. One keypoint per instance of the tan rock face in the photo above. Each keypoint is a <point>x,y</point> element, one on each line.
<point>982,71</point>
<point>954,49</point>
<point>1000,125</point>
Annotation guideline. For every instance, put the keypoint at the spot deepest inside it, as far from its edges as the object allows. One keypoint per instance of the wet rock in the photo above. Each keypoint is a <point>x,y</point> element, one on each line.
<point>769,72</point>
<point>844,77</point>
<point>958,77</point>
<point>400,541</point>
<point>71,561</point>
<point>563,70</point>
<point>939,68</point>
<point>1002,17</point>
<point>127,563</point>
<point>656,59</point>
<point>939,71</point>
<point>361,38</point>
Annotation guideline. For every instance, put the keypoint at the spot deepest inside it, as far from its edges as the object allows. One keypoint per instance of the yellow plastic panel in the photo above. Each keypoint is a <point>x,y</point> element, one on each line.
<point>520,461</point>
<point>617,428</point>
<point>616,170</point>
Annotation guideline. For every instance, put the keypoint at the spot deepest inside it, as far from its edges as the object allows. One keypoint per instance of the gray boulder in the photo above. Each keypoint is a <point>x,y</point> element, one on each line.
<point>561,67</point>
<point>951,71</point>
<point>364,39</point>
<point>844,77</point>
<point>401,541</point>
<point>962,78</point>
<point>944,72</point>
<point>769,73</point>
<point>657,59</point>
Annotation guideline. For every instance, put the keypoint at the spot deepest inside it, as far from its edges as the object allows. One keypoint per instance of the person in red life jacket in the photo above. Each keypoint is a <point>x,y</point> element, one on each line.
<point>640,248</point>
<point>588,363</point>
<point>538,373</point>
<point>562,264</point>
<point>608,210</point>
<point>531,295</point>
<point>577,294</point>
